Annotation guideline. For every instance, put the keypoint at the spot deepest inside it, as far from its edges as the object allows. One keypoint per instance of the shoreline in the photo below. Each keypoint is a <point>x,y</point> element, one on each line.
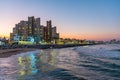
<point>9,50</point>
<point>43,46</point>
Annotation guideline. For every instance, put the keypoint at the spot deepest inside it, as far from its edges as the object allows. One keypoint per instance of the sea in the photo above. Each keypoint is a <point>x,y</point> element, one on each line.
<point>94,62</point>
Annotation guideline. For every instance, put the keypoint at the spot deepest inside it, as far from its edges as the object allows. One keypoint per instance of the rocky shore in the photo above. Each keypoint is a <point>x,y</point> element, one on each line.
<point>9,50</point>
<point>46,46</point>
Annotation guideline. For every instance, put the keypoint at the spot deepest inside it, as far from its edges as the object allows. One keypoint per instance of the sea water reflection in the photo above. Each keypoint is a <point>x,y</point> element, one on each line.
<point>24,66</point>
<point>51,64</point>
<point>77,63</point>
<point>47,65</point>
<point>37,64</point>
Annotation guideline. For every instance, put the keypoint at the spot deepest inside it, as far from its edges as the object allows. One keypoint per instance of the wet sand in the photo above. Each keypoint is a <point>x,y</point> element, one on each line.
<point>9,52</point>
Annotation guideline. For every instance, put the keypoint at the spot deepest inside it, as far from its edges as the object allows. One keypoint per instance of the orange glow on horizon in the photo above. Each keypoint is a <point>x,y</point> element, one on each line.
<point>90,36</point>
<point>82,36</point>
<point>7,36</point>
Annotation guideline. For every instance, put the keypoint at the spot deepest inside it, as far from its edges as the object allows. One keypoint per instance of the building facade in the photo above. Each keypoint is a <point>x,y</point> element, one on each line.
<point>32,29</point>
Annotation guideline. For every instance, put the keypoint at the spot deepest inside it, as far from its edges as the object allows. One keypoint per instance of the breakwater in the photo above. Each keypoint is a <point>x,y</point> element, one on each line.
<point>45,46</point>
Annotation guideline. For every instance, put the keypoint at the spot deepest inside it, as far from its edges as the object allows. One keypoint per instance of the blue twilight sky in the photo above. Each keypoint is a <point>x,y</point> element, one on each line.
<point>83,19</point>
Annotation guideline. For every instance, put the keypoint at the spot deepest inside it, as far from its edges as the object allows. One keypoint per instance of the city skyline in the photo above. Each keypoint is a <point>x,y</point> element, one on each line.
<point>34,32</point>
<point>83,19</point>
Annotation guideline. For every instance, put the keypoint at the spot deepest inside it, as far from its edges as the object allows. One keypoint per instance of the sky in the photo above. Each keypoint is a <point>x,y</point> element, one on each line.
<point>80,19</point>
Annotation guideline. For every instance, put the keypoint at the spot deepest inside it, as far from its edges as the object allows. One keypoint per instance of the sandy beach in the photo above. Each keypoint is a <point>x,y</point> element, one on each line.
<point>10,52</point>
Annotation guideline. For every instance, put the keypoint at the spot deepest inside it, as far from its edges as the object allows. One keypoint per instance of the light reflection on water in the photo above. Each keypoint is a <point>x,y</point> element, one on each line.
<point>79,63</point>
<point>37,63</point>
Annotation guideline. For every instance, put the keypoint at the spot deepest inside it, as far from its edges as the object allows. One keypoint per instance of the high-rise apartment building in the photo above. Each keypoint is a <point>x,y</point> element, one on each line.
<point>32,29</point>
<point>55,35</point>
<point>49,30</point>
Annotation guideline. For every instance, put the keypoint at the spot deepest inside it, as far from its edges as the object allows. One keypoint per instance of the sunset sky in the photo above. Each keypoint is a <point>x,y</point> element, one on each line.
<point>81,19</point>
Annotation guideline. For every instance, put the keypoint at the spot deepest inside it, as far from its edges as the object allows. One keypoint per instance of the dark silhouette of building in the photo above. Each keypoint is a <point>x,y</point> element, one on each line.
<point>45,37</point>
<point>49,31</point>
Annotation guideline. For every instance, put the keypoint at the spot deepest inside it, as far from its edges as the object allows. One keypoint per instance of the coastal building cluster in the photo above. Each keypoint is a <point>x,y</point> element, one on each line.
<point>32,31</point>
